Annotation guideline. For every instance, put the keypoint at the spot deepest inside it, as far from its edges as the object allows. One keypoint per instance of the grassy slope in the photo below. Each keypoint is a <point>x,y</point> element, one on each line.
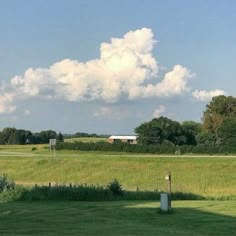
<point>117,218</point>
<point>85,139</point>
<point>207,176</point>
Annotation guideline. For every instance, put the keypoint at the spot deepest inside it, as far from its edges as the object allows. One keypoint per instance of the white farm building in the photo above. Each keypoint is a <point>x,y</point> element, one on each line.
<point>124,139</point>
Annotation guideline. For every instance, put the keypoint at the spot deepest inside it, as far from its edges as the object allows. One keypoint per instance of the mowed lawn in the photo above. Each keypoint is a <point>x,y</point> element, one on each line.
<point>117,218</point>
<point>202,175</point>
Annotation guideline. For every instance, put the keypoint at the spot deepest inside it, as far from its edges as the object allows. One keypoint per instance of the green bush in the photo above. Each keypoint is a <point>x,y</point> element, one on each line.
<point>115,188</point>
<point>92,193</point>
<point>6,184</point>
<point>13,194</point>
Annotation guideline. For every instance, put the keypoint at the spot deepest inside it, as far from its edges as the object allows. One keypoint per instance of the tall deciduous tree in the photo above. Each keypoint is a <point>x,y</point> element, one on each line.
<point>220,108</point>
<point>161,129</point>
<point>149,133</point>
<point>227,131</point>
<point>46,135</point>
<point>191,130</point>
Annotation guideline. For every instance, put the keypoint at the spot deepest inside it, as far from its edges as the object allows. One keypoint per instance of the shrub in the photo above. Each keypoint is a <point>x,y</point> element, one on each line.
<point>115,188</point>
<point>6,184</point>
<point>33,149</point>
<point>13,194</point>
<point>178,152</point>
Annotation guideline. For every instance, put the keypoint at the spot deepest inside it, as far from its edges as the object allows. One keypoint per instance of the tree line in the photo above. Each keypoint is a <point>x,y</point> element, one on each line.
<point>218,127</point>
<point>164,148</point>
<point>216,134</point>
<point>21,136</point>
<point>87,135</point>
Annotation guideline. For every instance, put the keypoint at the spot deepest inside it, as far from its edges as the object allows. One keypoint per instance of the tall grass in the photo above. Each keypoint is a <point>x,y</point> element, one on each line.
<point>85,139</point>
<point>205,176</point>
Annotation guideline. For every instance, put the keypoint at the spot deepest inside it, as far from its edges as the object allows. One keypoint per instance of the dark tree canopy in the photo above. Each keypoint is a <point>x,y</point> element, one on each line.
<point>219,109</point>
<point>20,136</point>
<point>227,131</point>
<point>191,130</point>
<point>60,137</point>
<point>14,136</point>
<point>149,133</point>
<point>161,130</point>
<point>222,105</point>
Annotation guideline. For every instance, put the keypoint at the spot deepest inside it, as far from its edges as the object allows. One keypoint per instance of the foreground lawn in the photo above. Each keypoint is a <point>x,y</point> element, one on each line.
<point>117,218</point>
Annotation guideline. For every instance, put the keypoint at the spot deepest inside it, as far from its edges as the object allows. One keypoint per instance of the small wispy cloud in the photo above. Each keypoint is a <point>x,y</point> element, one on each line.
<point>114,113</point>
<point>6,103</point>
<point>205,96</point>
<point>159,111</point>
<point>27,112</point>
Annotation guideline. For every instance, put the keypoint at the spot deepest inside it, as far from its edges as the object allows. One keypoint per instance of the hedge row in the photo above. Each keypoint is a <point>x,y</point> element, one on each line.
<point>165,148</point>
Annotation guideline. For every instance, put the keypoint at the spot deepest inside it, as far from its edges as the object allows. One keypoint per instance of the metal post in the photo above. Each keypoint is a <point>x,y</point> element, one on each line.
<point>169,190</point>
<point>169,183</point>
<point>168,178</point>
<point>52,144</point>
<point>50,153</point>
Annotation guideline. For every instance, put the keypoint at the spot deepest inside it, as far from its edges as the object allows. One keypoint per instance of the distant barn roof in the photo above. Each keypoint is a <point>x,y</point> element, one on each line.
<point>123,137</point>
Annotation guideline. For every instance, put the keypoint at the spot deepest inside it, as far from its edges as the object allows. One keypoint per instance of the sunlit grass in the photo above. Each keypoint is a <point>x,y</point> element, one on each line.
<point>85,139</point>
<point>207,176</point>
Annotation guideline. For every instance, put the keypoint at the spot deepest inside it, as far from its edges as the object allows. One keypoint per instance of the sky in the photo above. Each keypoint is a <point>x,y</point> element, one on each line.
<point>105,67</point>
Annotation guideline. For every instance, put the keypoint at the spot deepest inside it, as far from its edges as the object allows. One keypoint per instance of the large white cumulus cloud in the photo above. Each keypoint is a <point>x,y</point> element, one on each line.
<point>126,68</point>
<point>175,82</point>
<point>123,64</point>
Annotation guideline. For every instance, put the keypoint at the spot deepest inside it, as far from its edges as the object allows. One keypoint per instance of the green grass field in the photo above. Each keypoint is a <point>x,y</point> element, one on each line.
<point>206,176</point>
<point>117,218</point>
<point>85,139</point>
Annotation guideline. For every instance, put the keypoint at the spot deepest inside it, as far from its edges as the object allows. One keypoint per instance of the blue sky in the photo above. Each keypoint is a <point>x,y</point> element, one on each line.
<point>60,69</point>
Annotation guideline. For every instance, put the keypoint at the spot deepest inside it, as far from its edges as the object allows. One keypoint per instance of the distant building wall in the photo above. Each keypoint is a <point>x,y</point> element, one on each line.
<point>123,139</point>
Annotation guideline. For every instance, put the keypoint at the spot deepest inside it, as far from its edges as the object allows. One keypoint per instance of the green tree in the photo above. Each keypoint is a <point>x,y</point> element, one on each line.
<point>220,108</point>
<point>20,136</point>
<point>60,137</point>
<point>46,135</point>
<point>14,136</point>
<point>159,130</point>
<point>205,138</point>
<point>7,135</point>
<point>191,130</point>
<point>227,131</point>
<point>149,133</point>
<point>222,105</point>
